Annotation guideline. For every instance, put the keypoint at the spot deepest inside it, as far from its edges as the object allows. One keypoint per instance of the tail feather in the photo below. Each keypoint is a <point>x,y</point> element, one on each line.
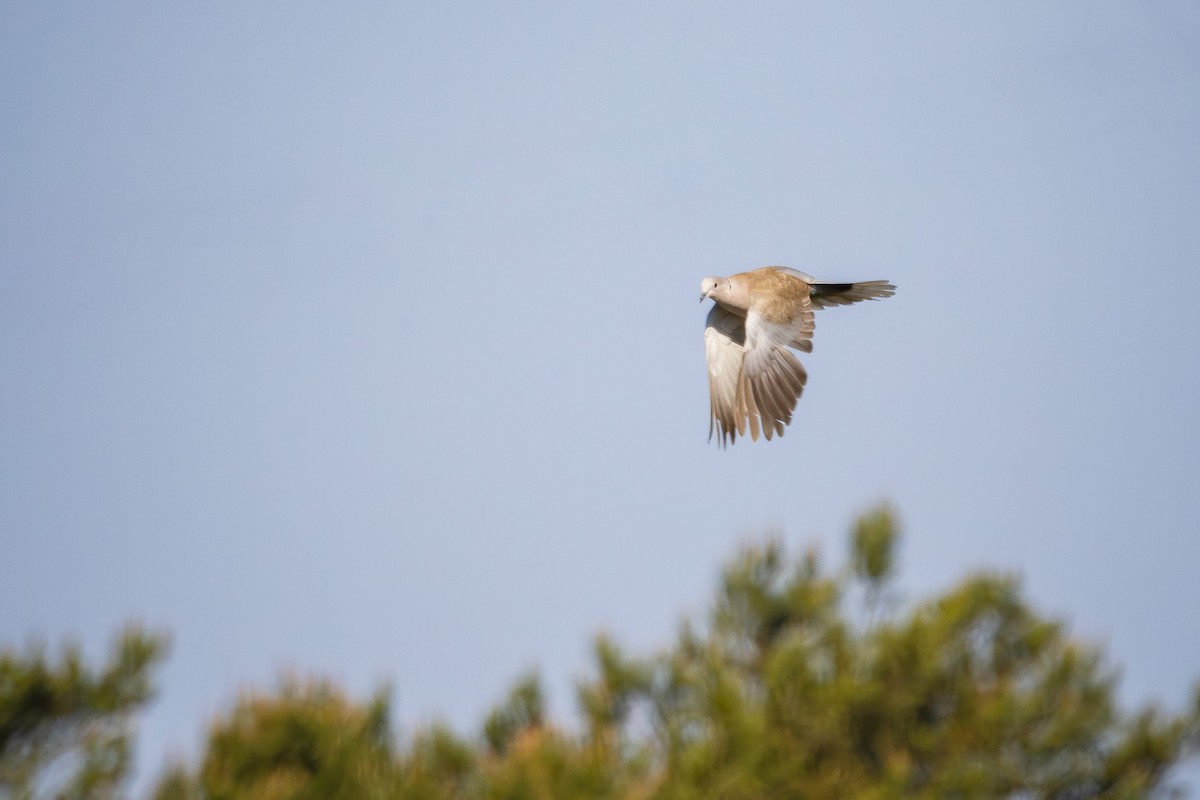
<point>825,295</point>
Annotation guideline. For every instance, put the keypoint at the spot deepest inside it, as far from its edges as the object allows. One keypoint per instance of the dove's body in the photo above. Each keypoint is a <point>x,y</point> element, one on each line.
<point>754,381</point>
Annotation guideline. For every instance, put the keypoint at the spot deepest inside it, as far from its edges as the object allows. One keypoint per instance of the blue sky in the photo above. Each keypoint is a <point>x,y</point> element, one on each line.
<point>363,339</point>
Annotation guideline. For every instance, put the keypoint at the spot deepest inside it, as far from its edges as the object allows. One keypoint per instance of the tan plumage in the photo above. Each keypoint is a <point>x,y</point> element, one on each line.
<point>754,380</point>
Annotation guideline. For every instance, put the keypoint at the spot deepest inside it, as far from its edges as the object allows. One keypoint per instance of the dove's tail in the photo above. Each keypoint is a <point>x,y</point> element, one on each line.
<point>843,294</point>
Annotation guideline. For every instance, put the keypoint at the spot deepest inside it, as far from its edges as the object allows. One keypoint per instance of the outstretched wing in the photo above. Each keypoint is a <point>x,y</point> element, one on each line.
<point>754,381</point>
<point>724,349</point>
<point>772,376</point>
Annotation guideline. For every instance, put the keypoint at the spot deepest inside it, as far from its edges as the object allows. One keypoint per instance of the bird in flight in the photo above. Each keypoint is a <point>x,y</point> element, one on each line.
<point>754,381</point>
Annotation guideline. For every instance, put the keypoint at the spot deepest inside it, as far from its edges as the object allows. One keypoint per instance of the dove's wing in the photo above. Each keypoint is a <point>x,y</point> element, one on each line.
<point>724,349</point>
<point>825,294</point>
<point>772,377</point>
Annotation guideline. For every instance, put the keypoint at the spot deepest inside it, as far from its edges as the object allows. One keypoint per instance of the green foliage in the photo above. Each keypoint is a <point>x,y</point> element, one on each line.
<point>65,729</point>
<point>521,712</point>
<point>307,741</point>
<point>438,765</point>
<point>873,545</point>
<point>785,692</point>
<point>970,695</point>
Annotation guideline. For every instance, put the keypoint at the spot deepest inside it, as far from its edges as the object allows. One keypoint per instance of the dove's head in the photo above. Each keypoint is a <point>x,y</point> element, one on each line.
<point>713,287</point>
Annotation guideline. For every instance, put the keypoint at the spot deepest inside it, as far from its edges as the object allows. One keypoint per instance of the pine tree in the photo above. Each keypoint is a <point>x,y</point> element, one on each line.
<point>65,728</point>
<point>804,682</point>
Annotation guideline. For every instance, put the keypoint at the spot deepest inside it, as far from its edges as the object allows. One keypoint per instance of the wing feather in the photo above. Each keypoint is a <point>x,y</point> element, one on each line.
<point>724,349</point>
<point>772,375</point>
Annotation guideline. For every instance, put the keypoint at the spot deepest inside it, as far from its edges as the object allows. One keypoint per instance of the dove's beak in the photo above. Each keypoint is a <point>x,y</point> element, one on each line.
<point>703,296</point>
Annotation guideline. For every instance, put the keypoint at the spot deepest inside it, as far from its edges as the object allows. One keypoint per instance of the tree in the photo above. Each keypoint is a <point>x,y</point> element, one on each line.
<point>972,694</point>
<point>805,682</point>
<point>309,740</point>
<point>66,729</point>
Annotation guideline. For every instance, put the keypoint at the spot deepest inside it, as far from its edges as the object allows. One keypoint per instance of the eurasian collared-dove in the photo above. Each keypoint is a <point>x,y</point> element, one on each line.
<point>753,379</point>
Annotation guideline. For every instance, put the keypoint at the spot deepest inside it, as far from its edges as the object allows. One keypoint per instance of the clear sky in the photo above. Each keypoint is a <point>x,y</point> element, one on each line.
<point>363,339</point>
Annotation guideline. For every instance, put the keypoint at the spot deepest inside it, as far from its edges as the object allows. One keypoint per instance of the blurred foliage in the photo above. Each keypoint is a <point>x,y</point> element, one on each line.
<point>66,729</point>
<point>788,690</point>
<point>309,740</point>
<point>782,694</point>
